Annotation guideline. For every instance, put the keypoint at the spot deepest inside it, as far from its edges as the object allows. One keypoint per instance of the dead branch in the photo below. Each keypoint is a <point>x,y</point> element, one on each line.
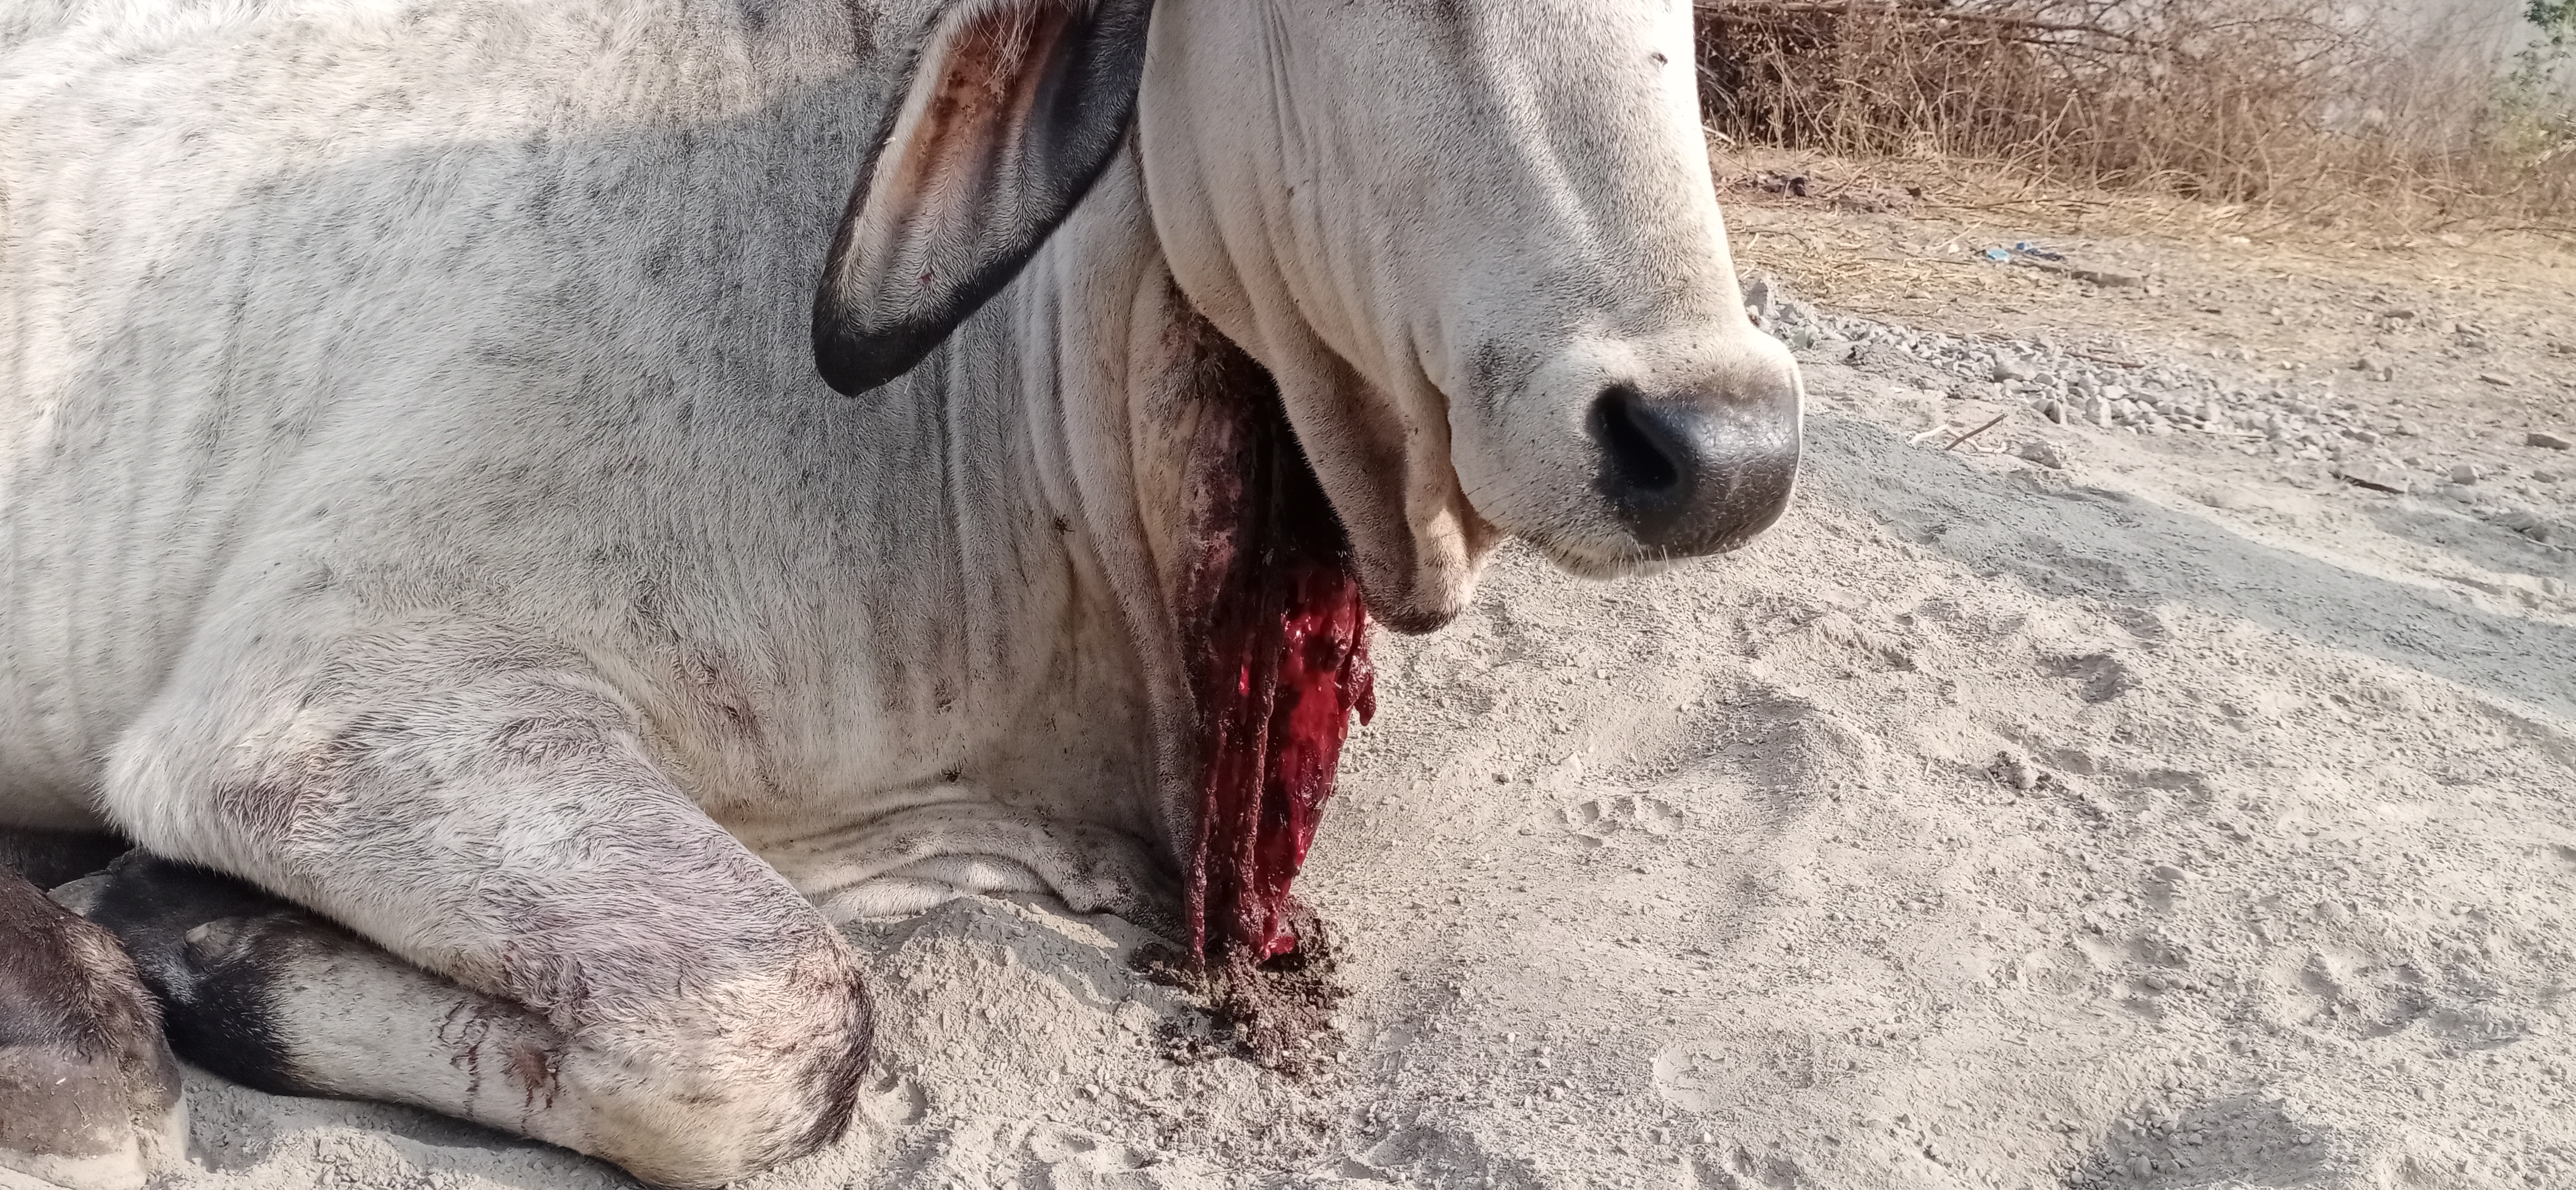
<point>1999,420</point>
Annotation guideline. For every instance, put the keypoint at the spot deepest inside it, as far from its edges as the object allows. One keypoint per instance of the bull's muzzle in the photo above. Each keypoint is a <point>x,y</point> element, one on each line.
<point>1700,472</point>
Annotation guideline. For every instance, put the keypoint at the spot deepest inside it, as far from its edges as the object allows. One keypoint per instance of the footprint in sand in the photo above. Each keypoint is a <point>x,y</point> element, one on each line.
<point>895,1101</point>
<point>2348,991</point>
<point>1710,1075</point>
<point>2237,1141</point>
<point>1743,1169</point>
<point>1596,820</point>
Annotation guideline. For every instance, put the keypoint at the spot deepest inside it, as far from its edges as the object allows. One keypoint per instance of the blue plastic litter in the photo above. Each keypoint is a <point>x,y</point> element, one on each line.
<point>1998,254</point>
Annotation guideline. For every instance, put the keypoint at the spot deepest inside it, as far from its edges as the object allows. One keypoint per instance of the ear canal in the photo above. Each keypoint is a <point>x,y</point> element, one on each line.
<point>1012,110</point>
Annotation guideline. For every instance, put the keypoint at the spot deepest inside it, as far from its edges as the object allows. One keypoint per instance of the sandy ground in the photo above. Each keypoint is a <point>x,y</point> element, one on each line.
<point>2180,817</point>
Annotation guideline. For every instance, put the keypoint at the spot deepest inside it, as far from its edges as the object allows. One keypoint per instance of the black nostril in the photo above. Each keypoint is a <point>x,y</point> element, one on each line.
<point>1697,471</point>
<point>1640,448</point>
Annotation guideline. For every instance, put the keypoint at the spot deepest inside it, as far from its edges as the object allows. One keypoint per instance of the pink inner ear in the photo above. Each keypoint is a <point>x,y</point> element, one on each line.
<point>1279,648</point>
<point>938,173</point>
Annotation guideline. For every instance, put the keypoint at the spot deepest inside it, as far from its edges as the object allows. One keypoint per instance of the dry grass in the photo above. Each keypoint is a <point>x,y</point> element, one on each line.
<point>2272,106</point>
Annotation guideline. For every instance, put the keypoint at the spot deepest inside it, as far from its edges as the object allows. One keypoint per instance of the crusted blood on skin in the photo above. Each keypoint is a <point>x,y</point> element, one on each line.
<point>1278,641</point>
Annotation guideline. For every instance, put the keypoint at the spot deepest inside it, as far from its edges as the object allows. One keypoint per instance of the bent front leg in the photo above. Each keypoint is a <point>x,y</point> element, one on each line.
<point>541,932</point>
<point>278,998</point>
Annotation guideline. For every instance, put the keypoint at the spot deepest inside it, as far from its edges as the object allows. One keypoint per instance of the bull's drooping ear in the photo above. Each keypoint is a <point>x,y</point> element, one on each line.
<point>1012,110</point>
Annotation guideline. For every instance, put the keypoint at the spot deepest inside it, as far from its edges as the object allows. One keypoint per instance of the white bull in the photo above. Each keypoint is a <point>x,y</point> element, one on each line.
<point>424,532</point>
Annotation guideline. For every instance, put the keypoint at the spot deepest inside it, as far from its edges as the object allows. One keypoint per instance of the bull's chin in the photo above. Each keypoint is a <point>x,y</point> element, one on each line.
<point>1425,577</point>
<point>1416,600</point>
<point>1589,562</point>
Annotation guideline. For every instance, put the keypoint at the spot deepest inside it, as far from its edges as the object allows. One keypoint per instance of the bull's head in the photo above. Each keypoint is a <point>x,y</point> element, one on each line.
<point>1474,242</point>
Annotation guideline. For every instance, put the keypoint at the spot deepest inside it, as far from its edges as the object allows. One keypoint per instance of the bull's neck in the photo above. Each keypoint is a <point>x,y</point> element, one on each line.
<point>1200,522</point>
<point>1090,347</point>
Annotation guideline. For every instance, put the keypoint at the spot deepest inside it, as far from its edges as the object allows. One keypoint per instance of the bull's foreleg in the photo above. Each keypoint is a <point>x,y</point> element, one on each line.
<point>528,926</point>
<point>278,998</point>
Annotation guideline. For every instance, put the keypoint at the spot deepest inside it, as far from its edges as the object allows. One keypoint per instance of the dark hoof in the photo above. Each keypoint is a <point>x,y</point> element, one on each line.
<point>208,946</point>
<point>89,1094</point>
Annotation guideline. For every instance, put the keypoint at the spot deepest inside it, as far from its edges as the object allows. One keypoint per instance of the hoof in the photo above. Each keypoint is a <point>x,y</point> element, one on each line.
<point>89,1094</point>
<point>196,940</point>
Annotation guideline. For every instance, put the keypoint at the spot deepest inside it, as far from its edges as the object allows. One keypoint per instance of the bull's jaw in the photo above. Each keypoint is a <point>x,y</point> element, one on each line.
<point>1418,545</point>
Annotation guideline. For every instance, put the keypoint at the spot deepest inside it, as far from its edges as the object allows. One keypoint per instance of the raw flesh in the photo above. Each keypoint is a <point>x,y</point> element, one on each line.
<point>1279,663</point>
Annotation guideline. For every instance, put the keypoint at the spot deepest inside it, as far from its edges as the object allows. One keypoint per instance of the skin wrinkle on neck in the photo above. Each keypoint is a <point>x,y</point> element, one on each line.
<point>1078,340</point>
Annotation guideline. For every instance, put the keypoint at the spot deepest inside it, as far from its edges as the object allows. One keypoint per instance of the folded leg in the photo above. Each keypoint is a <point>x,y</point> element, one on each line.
<point>514,916</point>
<point>276,997</point>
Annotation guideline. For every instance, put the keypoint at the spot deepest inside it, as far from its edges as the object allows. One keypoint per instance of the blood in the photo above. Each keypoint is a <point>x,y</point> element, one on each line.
<point>1279,644</point>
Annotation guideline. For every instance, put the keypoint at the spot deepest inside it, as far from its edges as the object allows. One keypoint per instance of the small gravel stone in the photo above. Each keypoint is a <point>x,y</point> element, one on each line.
<point>2042,452</point>
<point>2547,441</point>
<point>1762,295</point>
<point>2465,473</point>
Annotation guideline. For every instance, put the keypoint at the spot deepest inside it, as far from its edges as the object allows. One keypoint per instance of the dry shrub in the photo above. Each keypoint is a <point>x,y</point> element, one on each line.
<point>2289,105</point>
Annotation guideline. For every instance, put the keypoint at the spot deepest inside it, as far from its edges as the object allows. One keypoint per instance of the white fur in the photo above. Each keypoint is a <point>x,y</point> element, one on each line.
<point>416,495</point>
<point>1446,228</point>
